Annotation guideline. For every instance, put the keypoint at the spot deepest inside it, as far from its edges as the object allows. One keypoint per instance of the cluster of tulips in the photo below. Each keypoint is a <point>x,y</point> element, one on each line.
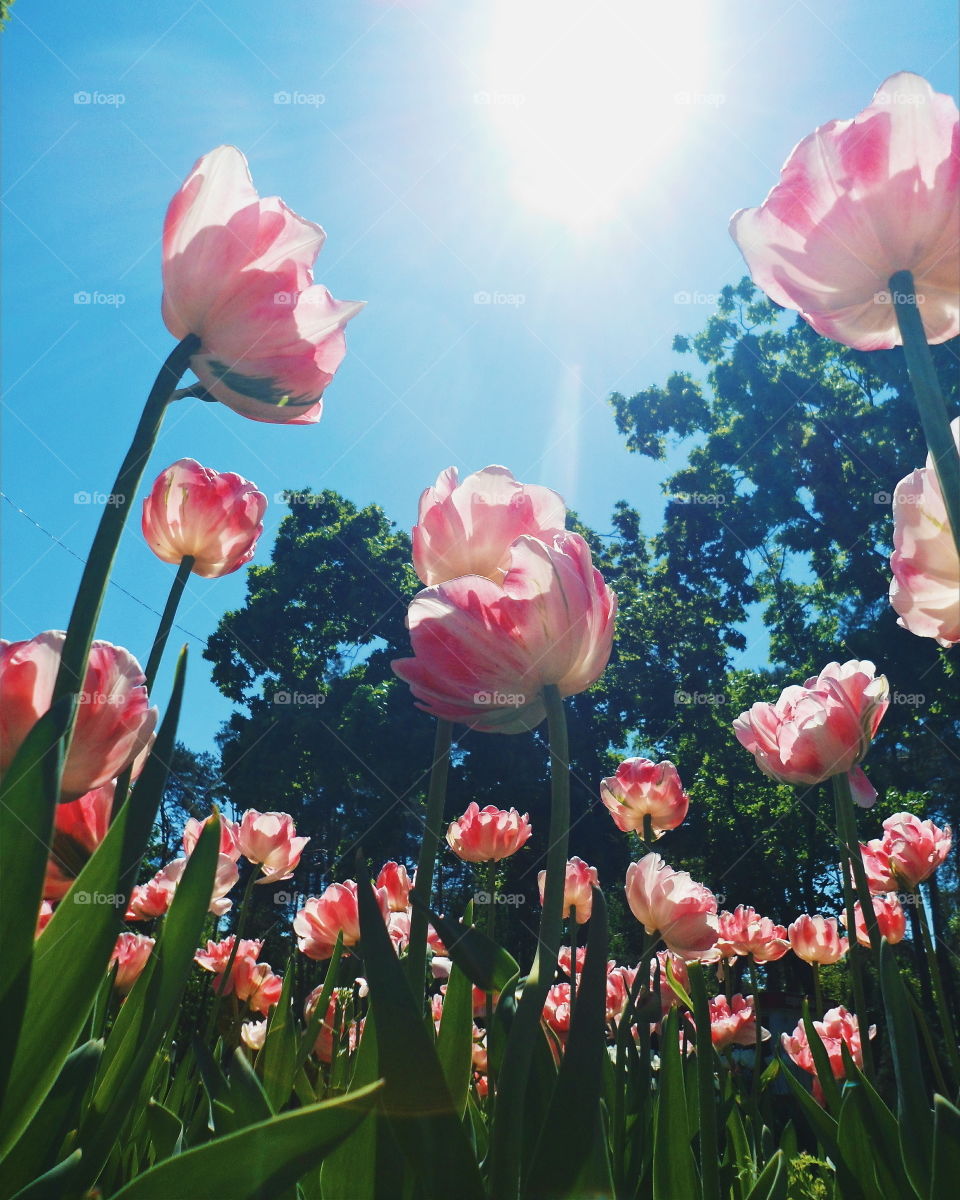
<point>428,1062</point>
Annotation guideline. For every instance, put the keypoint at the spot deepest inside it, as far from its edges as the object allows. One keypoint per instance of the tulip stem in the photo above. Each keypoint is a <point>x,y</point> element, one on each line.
<point>491,924</point>
<point>926,390</point>
<point>508,1124</point>
<point>93,582</point>
<point>943,1011</point>
<point>423,884</point>
<point>220,982</point>
<point>641,980</point>
<point>166,620</point>
<point>850,859</point>
<point>758,1039</point>
<point>847,829</point>
<point>817,988</point>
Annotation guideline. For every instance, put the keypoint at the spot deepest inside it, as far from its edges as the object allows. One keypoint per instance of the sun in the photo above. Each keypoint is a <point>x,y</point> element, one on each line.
<point>587,99</point>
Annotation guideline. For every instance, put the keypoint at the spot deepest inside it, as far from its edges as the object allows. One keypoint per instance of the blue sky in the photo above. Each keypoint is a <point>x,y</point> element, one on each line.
<point>573,165</point>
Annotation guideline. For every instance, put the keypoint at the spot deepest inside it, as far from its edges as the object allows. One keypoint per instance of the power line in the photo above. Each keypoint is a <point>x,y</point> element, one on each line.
<point>63,545</point>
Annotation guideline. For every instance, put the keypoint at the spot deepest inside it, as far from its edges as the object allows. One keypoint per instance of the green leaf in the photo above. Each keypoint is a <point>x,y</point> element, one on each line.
<point>913,1103</point>
<point>149,1012</point>
<point>350,1171</point>
<point>28,799</point>
<point>309,1038</point>
<point>707,1099</point>
<point>484,963</point>
<point>564,1145</point>
<point>946,1148</point>
<point>246,1095</point>
<point>37,1150</point>
<point>166,1130</point>
<point>455,1039</point>
<point>278,1058</point>
<point>55,1183</point>
<point>881,1131</point>
<point>417,1100</point>
<point>674,1169</point>
<point>772,1181</point>
<point>258,1160</point>
<point>821,1060</point>
<point>71,955</point>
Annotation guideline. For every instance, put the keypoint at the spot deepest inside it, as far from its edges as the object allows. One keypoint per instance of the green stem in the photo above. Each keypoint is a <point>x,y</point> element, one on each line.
<point>623,1032</point>
<point>843,805</point>
<point>491,928</point>
<point>166,619</point>
<point>758,1040</point>
<point>847,829</point>
<point>817,990</point>
<point>508,1125</point>
<point>93,583</point>
<point>221,982</point>
<point>423,887</point>
<point>926,390</point>
<point>939,998</point>
<point>709,1149</point>
<point>572,926</point>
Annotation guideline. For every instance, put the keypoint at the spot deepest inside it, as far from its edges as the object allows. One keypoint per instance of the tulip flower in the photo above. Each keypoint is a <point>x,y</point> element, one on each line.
<point>467,528</point>
<point>253,1034</point>
<point>891,920</point>
<point>565,961</point>
<point>733,1023</point>
<point>130,955</point>
<point>255,984</point>
<point>821,729</point>
<point>322,918</point>
<point>43,917</point>
<point>483,652</point>
<point>79,828</point>
<point>488,834</point>
<point>217,955</point>
<point>925,590</point>
<point>669,903</point>
<point>578,885</point>
<point>398,928</point>
<point>838,1028</point>
<point>556,1011</point>
<point>908,853</point>
<point>744,932</point>
<point>153,898</point>
<point>858,201</point>
<point>114,718</point>
<point>620,981</point>
<point>269,841</point>
<point>395,881</point>
<point>643,789</point>
<point>678,969</point>
<point>816,939</point>
<point>329,1027</point>
<point>229,836</point>
<point>238,274</point>
<point>213,517</point>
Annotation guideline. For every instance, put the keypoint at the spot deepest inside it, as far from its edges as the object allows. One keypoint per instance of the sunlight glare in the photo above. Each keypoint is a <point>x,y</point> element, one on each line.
<point>589,99</point>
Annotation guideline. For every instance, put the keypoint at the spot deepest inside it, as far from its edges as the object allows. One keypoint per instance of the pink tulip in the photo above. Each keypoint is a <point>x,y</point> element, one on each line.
<point>238,273</point>
<point>488,834</point>
<point>255,984</point>
<point>323,917</point>
<point>891,920</point>
<point>565,960</point>
<point>857,201</point>
<point>821,729</point>
<point>79,828</point>
<point>816,939</point>
<point>253,1034</point>
<point>478,1053</point>
<point>678,969</point>
<point>467,528</point>
<point>642,789</point>
<point>329,1028</point>
<point>620,981</point>
<point>214,517</point>
<point>925,590</point>
<point>733,1023</point>
<point>217,954</point>
<point>269,841</point>
<point>744,932</point>
<point>114,717</point>
<point>398,927</point>
<point>556,1011</point>
<point>130,955</point>
<point>915,848</point>
<point>395,881</point>
<point>484,652</point>
<point>671,904</point>
<point>578,883</point>
<point>153,898</point>
<point>43,917</point>
<point>838,1028</point>
<point>877,866</point>
<point>229,836</point>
